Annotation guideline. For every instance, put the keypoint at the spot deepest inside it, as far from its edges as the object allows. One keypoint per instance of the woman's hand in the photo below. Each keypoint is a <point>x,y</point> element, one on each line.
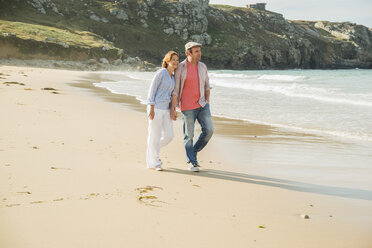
<point>151,114</point>
<point>173,114</point>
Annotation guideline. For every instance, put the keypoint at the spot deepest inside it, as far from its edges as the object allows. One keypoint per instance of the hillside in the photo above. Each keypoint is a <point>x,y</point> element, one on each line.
<point>233,38</point>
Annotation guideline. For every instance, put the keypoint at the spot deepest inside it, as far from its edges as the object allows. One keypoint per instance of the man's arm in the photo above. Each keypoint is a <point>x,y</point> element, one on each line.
<point>207,94</point>
<point>207,86</point>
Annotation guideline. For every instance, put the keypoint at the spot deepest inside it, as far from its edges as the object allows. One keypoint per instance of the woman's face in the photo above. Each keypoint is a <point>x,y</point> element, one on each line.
<point>173,63</point>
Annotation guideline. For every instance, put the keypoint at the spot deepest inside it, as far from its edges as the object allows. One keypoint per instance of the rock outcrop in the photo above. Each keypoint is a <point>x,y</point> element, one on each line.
<point>42,5</point>
<point>188,19</point>
<point>232,37</point>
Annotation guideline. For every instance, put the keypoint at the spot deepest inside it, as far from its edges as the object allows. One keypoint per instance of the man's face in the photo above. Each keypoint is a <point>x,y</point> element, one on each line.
<point>196,53</point>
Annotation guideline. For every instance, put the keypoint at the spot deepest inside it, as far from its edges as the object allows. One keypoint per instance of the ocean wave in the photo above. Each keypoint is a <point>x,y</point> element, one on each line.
<point>313,131</point>
<point>299,91</point>
<point>118,91</point>
<point>321,131</point>
<point>232,75</point>
<point>129,74</point>
<point>140,75</point>
<point>281,77</point>
<point>258,76</point>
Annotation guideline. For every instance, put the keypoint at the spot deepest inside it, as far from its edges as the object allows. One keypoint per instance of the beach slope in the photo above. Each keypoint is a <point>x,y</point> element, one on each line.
<point>73,174</point>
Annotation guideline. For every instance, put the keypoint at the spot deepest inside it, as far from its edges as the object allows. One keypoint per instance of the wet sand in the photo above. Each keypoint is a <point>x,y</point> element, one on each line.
<point>73,174</point>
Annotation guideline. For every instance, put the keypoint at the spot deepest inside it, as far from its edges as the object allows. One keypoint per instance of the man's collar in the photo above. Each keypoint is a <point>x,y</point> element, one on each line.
<point>187,61</point>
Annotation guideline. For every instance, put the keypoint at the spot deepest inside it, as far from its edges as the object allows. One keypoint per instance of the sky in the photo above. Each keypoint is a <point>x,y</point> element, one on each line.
<point>355,11</point>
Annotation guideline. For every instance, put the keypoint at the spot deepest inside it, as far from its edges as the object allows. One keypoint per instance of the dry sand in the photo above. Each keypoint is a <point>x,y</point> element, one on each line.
<point>73,174</point>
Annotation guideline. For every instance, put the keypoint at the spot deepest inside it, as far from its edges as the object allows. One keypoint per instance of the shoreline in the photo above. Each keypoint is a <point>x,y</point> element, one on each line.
<point>82,174</point>
<point>242,134</point>
<point>279,130</point>
<point>230,127</point>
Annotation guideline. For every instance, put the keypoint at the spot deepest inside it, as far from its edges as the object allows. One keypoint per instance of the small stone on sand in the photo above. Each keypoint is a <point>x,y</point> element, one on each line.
<point>305,216</point>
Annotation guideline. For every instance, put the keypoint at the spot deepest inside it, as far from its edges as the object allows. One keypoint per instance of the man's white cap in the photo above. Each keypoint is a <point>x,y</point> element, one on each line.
<point>191,44</point>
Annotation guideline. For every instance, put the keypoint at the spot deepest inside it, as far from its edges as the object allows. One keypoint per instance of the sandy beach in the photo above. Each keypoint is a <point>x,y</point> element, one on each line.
<point>73,174</point>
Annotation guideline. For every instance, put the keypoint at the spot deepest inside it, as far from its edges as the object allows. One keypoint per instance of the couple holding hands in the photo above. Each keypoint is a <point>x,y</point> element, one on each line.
<point>186,86</point>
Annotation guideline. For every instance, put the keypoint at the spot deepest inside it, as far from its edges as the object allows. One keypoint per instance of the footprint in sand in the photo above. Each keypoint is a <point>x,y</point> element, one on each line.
<point>48,88</point>
<point>12,205</point>
<point>85,197</point>
<point>25,192</point>
<point>88,197</point>
<point>55,168</point>
<point>149,200</point>
<point>23,74</point>
<point>13,83</point>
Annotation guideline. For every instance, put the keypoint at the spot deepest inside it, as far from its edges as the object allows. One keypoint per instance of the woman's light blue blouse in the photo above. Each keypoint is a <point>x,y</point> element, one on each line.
<point>160,92</point>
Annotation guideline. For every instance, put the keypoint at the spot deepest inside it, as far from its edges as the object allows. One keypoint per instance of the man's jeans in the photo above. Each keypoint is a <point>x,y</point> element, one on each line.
<point>204,117</point>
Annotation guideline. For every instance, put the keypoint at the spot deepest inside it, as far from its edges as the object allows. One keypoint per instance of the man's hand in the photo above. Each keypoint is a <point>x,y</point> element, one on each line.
<point>207,94</point>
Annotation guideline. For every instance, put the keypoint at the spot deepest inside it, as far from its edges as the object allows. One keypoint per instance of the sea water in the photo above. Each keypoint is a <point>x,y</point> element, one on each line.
<point>330,103</point>
<point>324,115</point>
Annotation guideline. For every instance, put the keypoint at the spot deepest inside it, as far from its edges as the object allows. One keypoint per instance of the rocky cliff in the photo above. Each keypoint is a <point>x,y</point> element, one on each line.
<point>232,37</point>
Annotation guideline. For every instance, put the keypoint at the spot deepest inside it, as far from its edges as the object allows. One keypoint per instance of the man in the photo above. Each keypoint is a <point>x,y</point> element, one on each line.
<point>191,94</point>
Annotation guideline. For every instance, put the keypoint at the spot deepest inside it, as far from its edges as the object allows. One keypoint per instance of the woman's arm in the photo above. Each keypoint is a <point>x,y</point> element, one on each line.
<point>153,88</point>
<point>177,77</point>
<point>152,93</point>
<point>151,113</point>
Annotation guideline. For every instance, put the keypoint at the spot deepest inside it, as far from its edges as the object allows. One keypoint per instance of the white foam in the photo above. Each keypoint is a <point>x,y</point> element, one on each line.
<point>119,92</point>
<point>259,76</point>
<point>232,75</point>
<point>318,132</point>
<point>135,75</point>
<point>321,103</point>
<point>297,90</point>
<point>281,77</point>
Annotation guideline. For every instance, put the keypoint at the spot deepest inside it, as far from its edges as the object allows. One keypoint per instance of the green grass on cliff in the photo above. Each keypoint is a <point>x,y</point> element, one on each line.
<point>224,7</point>
<point>51,34</point>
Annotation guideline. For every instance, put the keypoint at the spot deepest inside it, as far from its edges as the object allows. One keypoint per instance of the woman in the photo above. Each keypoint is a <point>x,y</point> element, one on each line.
<point>160,131</point>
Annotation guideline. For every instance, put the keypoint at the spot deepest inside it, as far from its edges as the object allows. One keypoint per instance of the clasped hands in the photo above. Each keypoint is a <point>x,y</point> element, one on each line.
<point>173,114</point>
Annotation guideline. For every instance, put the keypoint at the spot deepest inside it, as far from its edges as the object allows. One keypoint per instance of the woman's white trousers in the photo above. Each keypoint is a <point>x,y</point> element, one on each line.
<point>160,133</point>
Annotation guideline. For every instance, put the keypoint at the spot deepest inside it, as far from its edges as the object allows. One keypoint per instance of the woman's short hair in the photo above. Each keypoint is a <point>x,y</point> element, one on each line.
<point>168,57</point>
